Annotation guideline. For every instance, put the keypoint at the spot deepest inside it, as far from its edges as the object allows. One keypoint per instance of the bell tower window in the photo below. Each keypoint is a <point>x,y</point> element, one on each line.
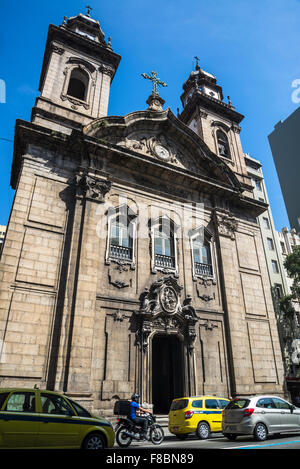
<point>223,145</point>
<point>78,84</point>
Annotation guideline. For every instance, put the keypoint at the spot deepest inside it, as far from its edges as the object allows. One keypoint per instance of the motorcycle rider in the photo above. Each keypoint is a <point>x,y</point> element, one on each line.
<point>140,420</point>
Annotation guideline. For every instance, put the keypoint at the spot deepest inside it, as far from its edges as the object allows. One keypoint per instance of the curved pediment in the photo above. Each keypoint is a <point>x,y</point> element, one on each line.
<point>162,137</point>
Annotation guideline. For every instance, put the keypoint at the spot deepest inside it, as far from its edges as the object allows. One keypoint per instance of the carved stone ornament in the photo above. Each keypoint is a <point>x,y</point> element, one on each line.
<point>106,70</point>
<point>226,223</point>
<point>57,49</point>
<point>91,187</point>
<point>160,310</point>
<point>207,284</point>
<point>119,315</point>
<point>209,325</point>
<point>120,275</point>
<point>157,146</point>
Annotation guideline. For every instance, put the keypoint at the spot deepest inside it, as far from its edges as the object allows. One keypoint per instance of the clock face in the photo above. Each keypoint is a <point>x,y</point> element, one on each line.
<point>162,152</point>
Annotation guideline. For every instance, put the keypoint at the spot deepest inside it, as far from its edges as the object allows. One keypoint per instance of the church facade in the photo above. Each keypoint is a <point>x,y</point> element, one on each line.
<point>133,261</point>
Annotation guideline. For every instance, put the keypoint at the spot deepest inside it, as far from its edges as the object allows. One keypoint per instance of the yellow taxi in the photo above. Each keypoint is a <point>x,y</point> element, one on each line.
<point>36,418</point>
<point>199,414</point>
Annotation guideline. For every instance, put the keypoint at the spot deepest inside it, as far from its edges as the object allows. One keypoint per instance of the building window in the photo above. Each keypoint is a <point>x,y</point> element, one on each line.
<point>164,249</point>
<point>121,235</point>
<point>120,240</point>
<point>266,223</point>
<point>278,291</point>
<point>258,184</point>
<point>202,256</point>
<point>163,235</point>
<point>78,84</point>
<point>275,267</point>
<point>283,250</point>
<point>201,249</point>
<point>270,244</point>
<point>223,145</point>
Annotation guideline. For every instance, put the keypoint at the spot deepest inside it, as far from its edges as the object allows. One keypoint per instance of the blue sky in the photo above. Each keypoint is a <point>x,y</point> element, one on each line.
<point>252,46</point>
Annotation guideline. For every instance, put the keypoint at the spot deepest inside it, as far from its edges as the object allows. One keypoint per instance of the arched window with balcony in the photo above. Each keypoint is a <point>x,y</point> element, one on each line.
<point>201,245</point>
<point>164,256</point>
<point>121,235</point>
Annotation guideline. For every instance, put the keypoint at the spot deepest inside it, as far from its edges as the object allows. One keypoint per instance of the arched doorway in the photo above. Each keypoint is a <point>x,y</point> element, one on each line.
<point>167,371</point>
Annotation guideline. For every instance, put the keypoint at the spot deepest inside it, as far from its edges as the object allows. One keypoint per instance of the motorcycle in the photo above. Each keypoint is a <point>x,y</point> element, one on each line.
<point>127,431</point>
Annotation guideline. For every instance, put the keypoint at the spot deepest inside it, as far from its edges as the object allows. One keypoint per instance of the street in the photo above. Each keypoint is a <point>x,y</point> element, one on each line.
<point>218,441</point>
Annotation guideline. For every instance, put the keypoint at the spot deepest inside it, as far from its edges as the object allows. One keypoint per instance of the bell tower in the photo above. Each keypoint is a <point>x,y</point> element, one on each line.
<point>78,68</point>
<point>214,120</point>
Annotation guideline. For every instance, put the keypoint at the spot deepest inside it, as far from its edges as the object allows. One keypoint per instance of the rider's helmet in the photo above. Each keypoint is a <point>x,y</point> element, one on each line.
<point>135,397</point>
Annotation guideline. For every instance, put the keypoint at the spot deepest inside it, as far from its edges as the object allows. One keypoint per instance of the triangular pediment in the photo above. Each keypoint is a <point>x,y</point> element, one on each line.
<point>163,138</point>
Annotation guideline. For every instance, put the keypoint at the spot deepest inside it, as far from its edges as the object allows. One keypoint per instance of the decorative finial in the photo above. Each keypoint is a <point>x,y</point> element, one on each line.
<point>65,20</point>
<point>155,81</point>
<point>88,10</point>
<point>109,42</point>
<point>197,62</point>
<point>229,101</point>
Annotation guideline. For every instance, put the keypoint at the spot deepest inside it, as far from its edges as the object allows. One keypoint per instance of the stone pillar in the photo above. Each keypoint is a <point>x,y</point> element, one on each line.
<point>86,263</point>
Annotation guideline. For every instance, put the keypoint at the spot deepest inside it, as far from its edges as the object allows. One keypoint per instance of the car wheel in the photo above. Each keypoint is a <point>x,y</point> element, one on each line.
<point>230,436</point>
<point>260,432</point>
<point>94,441</point>
<point>203,431</point>
<point>182,436</point>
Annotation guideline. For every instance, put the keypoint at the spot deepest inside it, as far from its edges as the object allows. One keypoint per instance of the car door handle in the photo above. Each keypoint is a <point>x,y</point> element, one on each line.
<point>263,411</point>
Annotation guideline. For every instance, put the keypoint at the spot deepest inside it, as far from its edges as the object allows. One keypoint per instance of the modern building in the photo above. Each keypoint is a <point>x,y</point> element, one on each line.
<point>285,149</point>
<point>277,245</point>
<point>133,258</point>
<point>272,248</point>
<point>289,330</point>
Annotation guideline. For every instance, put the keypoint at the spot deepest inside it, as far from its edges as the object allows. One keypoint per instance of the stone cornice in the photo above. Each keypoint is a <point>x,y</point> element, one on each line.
<point>211,104</point>
<point>169,178</point>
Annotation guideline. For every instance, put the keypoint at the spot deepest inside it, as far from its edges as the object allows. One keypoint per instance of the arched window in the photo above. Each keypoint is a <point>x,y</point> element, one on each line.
<point>163,237</point>
<point>121,240</point>
<point>201,245</point>
<point>121,235</point>
<point>78,84</point>
<point>223,145</point>
<point>202,256</point>
<point>164,247</point>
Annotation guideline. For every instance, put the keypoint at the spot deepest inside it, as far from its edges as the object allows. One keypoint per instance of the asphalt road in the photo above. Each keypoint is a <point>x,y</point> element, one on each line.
<point>218,441</point>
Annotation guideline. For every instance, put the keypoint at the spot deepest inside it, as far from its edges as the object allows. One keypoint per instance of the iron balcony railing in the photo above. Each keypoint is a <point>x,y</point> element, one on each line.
<point>120,252</point>
<point>167,262</point>
<point>203,269</point>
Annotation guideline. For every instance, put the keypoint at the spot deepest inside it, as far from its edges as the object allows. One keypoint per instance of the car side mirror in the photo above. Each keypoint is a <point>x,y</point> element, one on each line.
<point>292,408</point>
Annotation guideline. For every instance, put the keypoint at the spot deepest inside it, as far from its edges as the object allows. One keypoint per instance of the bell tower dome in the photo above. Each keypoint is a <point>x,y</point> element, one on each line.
<point>78,68</point>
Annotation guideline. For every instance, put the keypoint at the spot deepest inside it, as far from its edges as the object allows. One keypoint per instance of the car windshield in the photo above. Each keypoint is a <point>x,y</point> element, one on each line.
<point>238,404</point>
<point>178,405</point>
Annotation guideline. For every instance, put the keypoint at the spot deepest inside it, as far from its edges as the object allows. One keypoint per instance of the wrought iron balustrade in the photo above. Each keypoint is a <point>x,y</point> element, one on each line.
<point>120,252</point>
<point>203,269</point>
<point>167,262</point>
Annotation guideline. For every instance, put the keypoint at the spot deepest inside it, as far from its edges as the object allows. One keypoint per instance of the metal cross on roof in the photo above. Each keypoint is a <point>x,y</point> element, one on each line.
<point>88,10</point>
<point>155,81</point>
<point>197,62</point>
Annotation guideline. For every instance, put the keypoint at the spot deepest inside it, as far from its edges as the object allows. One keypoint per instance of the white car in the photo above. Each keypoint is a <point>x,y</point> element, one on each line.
<point>259,416</point>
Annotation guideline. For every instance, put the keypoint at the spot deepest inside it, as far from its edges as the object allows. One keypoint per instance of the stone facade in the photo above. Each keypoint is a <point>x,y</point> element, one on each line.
<point>80,319</point>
